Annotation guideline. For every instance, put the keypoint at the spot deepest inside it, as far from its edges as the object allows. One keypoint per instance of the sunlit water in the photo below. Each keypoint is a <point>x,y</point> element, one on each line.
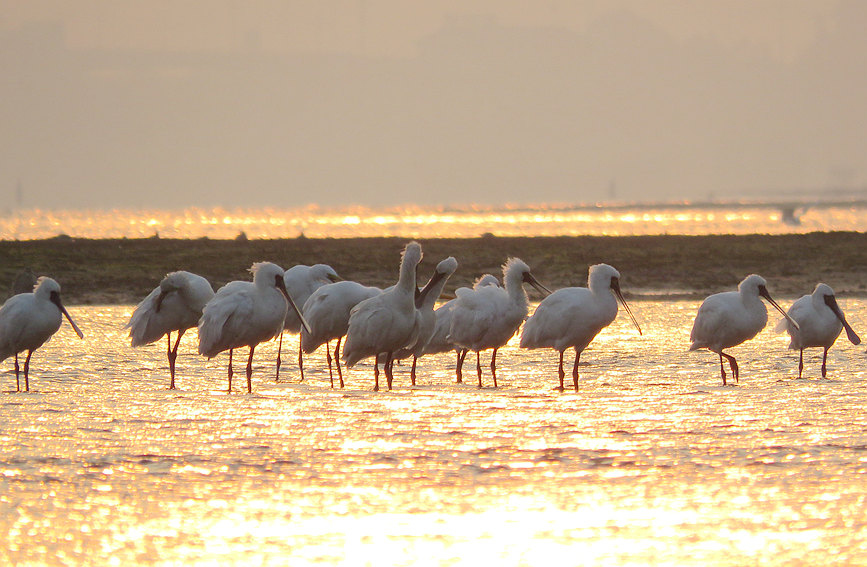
<point>433,222</point>
<point>653,461</point>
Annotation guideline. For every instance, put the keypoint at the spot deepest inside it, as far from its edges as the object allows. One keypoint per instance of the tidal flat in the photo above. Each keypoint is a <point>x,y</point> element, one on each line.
<point>122,271</point>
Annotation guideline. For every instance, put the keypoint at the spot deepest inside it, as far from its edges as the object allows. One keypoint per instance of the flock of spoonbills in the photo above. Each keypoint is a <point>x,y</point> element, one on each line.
<point>400,322</point>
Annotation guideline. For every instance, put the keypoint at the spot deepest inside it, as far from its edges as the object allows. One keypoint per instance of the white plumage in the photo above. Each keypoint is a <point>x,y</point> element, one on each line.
<point>820,321</point>
<point>173,306</point>
<point>27,320</point>
<point>572,317</point>
<point>388,322</point>
<point>327,311</point>
<point>425,305</point>
<point>729,318</point>
<point>489,316</point>
<point>301,281</point>
<point>245,314</point>
<point>439,340</point>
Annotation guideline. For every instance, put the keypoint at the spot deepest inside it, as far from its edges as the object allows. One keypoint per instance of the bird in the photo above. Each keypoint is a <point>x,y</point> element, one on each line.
<point>729,318</point>
<point>301,281</point>
<point>386,323</point>
<point>425,305</point>
<point>173,306</point>
<point>27,320</point>
<point>820,322</point>
<point>327,312</point>
<point>573,316</point>
<point>244,313</point>
<point>489,316</point>
<point>439,340</point>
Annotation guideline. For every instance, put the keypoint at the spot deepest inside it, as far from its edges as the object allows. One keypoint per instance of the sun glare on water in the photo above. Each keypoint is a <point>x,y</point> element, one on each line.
<point>429,222</point>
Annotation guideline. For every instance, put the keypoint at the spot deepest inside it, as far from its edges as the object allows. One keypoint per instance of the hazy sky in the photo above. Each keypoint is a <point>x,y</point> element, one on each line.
<point>171,104</point>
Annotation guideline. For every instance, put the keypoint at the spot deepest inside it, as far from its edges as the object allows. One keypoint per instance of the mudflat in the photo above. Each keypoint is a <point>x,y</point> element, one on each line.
<point>123,271</point>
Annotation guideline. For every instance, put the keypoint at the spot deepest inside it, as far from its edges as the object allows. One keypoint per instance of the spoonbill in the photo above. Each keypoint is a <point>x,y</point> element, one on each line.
<point>301,281</point>
<point>387,322</point>
<point>174,305</point>
<point>439,340</point>
<point>489,316</point>
<point>820,320</point>
<point>573,316</point>
<point>27,320</point>
<point>246,314</point>
<point>428,297</point>
<point>729,318</point>
<point>327,311</point>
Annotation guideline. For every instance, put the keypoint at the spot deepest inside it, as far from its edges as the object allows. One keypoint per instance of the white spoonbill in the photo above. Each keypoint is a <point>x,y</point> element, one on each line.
<point>327,311</point>
<point>386,322</point>
<point>174,305</point>
<point>573,316</point>
<point>439,340</point>
<point>425,305</point>
<point>245,314</point>
<point>729,318</point>
<point>27,320</point>
<point>301,281</point>
<point>820,320</point>
<point>489,316</point>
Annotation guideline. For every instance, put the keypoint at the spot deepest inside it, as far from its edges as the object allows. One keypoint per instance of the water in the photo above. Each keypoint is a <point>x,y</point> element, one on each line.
<point>653,461</point>
<point>433,222</point>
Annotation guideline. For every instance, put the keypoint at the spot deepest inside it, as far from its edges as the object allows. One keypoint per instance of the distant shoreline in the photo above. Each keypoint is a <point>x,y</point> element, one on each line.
<point>123,271</point>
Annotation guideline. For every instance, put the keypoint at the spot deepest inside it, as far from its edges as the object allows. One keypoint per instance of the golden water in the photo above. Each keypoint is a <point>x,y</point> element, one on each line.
<point>653,461</point>
<point>431,222</point>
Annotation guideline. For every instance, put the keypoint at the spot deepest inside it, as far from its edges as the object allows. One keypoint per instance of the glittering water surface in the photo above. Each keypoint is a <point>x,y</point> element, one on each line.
<point>653,461</point>
<point>437,222</point>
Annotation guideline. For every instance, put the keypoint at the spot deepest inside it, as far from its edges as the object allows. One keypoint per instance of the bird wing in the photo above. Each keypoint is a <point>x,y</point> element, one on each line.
<point>224,321</point>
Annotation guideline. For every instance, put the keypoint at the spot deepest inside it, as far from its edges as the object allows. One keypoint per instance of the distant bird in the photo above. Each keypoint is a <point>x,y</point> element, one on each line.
<point>573,316</point>
<point>439,340</point>
<point>425,305</point>
<point>245,314</point>
<point>820,320</point>
<point>489,316</point>
<point>386,323</point>
<point>301,281</point>
<point>24,282</point>
<point>174,305</point>
<point>327,312</point>
<point>27,320</point>
<point>727,319</point>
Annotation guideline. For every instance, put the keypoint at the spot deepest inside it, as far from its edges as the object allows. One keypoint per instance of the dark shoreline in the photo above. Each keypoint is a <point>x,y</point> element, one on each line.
<point>122,271</point>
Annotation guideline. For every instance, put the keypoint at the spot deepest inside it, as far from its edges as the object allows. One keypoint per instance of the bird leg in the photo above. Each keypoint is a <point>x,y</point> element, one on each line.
<point>722,368</point>
<point>337,360</point>
<point>560,372</point>
<point>494,367</point>
<point>479,367</point>
<point>250,371</point>
<point>575,369</point>
<point>173,356</point>
<point>412,372</point>
<point>230,370</point>
<point>734,366</point>
<point>279,362</point>
<point>330,370</point>
<point>27,371</point>
<point>459,368</point>
<point>801,364</point>
<point>376,373</point>
<point>389,369</point>
<point>300,359</point>
<point>17,379</point>
<point>824,363</point>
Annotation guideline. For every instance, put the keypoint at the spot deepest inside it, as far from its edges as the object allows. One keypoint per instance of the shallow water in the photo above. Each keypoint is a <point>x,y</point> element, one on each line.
<point>653,461</point>
<point>415,221</point>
